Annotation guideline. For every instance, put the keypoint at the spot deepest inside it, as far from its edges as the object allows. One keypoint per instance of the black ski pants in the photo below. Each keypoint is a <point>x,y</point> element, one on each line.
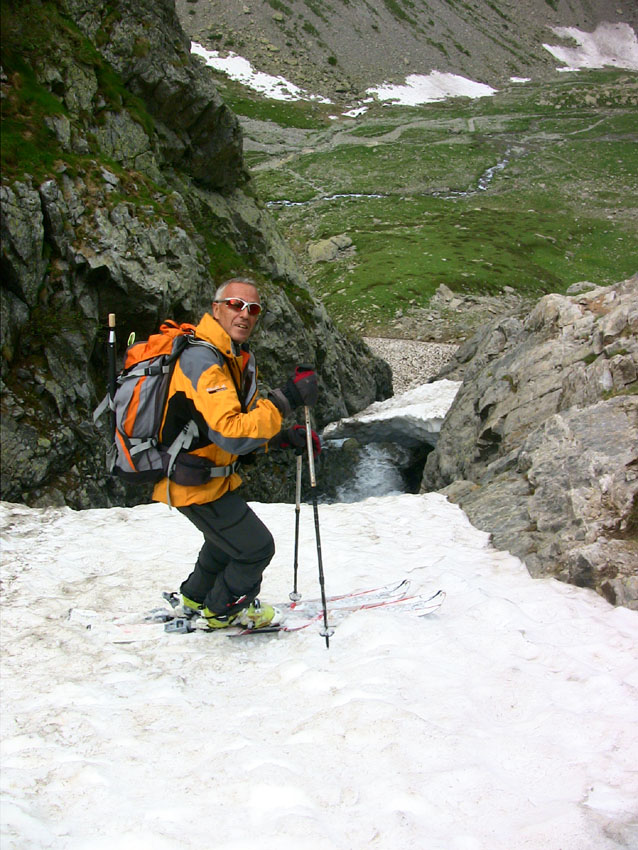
<point>237,549</point>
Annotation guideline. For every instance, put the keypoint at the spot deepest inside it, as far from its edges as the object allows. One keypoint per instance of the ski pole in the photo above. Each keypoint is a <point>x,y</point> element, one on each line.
<point>326,632</point>
<point>295,595</point>
<point>112,369</point>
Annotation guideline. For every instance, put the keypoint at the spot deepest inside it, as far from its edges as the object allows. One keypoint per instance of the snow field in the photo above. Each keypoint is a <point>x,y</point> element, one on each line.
<point>504,721</point>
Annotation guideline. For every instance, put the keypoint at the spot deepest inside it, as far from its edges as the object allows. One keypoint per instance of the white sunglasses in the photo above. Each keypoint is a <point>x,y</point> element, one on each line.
<point>238,304</point>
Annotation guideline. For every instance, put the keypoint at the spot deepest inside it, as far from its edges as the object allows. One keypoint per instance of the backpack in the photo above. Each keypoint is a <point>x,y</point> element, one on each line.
<point>138,405</point>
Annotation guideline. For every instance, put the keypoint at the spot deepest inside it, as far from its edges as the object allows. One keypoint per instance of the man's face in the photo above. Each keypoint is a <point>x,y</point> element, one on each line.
<point>238,324</point>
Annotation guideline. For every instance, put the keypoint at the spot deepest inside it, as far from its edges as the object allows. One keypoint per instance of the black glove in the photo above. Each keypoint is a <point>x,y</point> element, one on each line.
<point>295,438</point>
<point>301,389</point>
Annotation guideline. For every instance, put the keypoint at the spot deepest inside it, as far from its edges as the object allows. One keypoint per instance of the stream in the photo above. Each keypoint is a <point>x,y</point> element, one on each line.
<point>376,474</point>
<point>483,185</point>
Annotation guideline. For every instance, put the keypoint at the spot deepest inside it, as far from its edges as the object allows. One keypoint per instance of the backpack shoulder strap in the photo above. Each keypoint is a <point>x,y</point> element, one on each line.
<point>194,340</point>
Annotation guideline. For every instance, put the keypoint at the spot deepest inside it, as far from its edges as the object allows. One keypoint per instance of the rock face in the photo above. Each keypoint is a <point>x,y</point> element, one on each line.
<point>540,446</point>
<point>145,44</point>
<point>124,191</point>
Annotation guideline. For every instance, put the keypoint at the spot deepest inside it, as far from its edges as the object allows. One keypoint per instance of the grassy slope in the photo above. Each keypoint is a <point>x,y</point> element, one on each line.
<point>561,210</point>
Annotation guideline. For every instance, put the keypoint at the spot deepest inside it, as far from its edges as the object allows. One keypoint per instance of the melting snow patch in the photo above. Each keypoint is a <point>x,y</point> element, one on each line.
<point>356,113</point>
<point>419,88</point>
<point>609,44</point>
<point>240,69</point>
<point>409,419</point>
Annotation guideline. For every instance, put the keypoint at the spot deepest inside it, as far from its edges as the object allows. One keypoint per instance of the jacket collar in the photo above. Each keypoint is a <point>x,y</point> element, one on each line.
<point>210,330</point>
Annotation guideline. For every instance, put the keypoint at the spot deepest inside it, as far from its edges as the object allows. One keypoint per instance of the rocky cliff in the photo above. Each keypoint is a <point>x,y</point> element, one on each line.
<point>540,446</point>
<point>124,191</point>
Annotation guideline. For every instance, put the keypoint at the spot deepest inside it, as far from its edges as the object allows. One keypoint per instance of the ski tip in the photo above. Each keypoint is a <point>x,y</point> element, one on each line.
<point>434,603</point>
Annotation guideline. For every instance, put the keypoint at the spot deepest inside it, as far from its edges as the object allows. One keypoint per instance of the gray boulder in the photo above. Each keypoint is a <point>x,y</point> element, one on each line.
<point>540,446</point>
<point>330,249</point>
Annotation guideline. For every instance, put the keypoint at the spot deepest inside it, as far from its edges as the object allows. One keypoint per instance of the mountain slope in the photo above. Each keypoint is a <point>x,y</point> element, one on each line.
<point>340,47</point>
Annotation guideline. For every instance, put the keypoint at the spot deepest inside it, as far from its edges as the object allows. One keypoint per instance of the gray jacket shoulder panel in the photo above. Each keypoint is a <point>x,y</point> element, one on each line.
<point>197,357</point>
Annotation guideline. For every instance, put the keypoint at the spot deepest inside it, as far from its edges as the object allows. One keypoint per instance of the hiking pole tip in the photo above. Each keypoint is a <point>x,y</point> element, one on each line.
<point>326,632</point>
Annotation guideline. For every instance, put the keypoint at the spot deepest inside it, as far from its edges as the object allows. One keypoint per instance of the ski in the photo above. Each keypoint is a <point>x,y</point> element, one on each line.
<point>299,615</point>
<point>421,604</point>
<point>183,620</point>
<point>385,591</point>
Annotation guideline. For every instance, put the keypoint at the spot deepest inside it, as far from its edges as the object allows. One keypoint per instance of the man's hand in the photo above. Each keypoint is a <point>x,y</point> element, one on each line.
<point>300,390</point>
<point>295,438</point>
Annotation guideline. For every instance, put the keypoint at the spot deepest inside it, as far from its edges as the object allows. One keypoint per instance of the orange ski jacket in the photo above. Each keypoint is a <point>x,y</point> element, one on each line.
<point>217,388</point>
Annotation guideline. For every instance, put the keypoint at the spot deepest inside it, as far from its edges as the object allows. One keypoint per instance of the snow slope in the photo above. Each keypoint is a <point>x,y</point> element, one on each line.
<point>613,45</point>
<point>506,721</point>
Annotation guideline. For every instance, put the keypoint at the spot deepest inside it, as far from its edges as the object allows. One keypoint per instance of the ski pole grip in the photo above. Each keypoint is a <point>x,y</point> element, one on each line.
<point>111,338</point>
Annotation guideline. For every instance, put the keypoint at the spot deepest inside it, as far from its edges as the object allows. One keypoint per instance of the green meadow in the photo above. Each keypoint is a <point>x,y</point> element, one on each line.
<point>534,189</point>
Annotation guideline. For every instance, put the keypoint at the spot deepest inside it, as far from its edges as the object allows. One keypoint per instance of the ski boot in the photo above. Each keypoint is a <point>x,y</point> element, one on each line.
<point>254,616</point>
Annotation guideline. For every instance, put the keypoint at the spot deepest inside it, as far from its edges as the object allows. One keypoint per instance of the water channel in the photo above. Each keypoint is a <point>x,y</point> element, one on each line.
<point>483,185</point>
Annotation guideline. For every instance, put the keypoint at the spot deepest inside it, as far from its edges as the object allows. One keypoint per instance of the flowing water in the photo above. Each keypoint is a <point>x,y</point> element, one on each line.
<point>483,185</point>
<point>376,474</point>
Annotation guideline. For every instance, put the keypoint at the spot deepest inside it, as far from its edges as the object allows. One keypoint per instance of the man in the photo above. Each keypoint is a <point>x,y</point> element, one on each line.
<point>215,384</point>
